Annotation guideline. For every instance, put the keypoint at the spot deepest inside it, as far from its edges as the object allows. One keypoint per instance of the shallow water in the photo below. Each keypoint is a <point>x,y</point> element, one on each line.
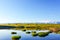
<point>6,35</point>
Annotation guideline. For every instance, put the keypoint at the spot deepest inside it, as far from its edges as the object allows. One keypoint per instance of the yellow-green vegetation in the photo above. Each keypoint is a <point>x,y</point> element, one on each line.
<point>58,32</point>
<point>24,30</point>
<point>34,34</point>
<point>13,32</point>
<point>16,37</point>
<point>34,26</point>
<point>33,31</point>
<point>28,32</point>
<point>43,34</point>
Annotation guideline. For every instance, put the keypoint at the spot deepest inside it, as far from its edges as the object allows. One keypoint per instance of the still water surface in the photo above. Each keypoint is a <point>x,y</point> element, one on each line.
<point>6,35</point>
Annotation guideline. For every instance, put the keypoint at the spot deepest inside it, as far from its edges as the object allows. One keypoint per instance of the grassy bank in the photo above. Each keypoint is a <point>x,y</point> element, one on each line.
<point>33,26</point>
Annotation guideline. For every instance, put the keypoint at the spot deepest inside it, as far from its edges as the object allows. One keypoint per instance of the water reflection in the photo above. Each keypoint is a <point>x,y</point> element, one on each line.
<point>6,35</point>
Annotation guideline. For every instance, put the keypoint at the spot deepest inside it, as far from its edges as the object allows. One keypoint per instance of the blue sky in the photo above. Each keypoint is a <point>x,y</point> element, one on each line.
<point>13,11</point>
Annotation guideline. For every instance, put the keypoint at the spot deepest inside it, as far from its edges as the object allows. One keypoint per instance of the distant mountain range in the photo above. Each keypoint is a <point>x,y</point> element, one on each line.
<point>43,21</point>
<point>51,22</point>
<point>58,22</point>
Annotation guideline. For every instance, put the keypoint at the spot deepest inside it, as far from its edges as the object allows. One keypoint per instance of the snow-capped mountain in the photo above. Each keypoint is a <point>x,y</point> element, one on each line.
<point>50,22</point>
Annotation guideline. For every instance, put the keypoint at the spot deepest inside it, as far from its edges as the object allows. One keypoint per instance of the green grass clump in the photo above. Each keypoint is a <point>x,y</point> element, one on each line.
<point>33,31</point>
<point>34,34</point>
<point>23,30</point>
<point>28,32</point>
<point>13,32</point>
<point>43,34</point>
<point>16,37</point>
